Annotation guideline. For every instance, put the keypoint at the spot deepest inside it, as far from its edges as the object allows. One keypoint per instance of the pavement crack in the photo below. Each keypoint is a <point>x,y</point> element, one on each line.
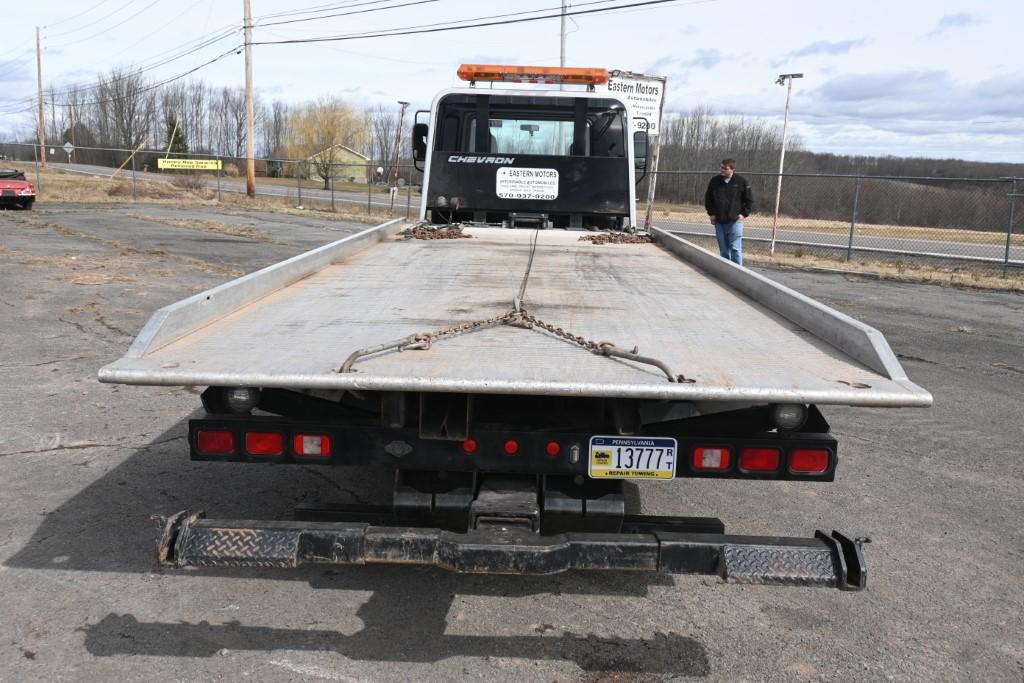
<point>103,320</point>
<point>69,447</point>
<point>153,444</point>
<point>1006,366</point>
<point>77,326</point>
<point>47,362</point>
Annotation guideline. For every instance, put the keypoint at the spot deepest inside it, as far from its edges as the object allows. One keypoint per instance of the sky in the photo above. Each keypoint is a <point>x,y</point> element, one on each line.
<point>899,77</point>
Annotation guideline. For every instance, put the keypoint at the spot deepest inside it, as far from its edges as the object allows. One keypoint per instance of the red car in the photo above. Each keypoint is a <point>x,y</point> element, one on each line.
<point>15,190</point>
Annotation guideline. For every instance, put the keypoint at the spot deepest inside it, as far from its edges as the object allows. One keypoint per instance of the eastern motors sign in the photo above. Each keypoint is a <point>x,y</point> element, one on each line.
<point>643,93</point>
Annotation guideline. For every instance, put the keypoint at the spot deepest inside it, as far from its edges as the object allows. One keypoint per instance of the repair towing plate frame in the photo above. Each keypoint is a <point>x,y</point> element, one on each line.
<point>632,457</point>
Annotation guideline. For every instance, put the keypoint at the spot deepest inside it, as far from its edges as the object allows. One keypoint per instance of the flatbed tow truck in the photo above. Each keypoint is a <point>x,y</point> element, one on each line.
<point>517,356</point>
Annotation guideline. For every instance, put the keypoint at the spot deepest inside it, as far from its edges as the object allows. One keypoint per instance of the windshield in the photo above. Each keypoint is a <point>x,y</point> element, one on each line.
<point>525,136</point>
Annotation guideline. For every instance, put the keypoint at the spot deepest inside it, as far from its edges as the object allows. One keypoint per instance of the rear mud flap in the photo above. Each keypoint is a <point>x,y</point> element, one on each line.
<point>833,560</point>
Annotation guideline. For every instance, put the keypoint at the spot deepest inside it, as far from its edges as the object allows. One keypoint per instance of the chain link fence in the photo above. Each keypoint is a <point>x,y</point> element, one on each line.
<point>963,221</point>
<point>969,220</point>
<point>346,185</point>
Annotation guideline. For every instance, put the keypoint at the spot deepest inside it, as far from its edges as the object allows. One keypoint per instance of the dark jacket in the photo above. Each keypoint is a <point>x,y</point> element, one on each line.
<point>727,200</point>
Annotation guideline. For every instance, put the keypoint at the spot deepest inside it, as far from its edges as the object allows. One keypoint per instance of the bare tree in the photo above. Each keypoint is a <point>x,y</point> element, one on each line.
<point>273,130</point>
<point>317,129</point>
<point>383,128</point>
<point>127,107</point>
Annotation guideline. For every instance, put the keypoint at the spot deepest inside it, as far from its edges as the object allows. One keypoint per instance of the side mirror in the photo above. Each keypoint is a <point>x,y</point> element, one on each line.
<point>640,141</point>
<point>419,141</point>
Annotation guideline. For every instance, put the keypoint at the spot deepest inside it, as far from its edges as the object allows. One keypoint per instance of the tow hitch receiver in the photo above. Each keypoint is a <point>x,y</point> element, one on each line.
<point>830,560</point>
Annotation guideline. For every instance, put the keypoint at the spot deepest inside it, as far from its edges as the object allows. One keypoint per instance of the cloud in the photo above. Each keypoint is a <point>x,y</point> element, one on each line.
<point>15,71</point>
<point>706,58</point>
<point>867,88</point>
<point>824,47</point>
<point>954,21</point>
<point>918,95</point>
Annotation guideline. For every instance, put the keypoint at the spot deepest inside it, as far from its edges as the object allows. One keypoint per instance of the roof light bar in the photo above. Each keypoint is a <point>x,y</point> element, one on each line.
<point>533,74</point>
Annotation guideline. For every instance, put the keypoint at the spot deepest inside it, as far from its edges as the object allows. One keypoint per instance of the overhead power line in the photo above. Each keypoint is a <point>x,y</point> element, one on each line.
<point>94,22</point>
<point>145,67</point>
<point>107,29</point>
<point>75,16</point>
<point>345,14</point>
<point>315,9</point>
<point>481,22</point>
<point>166,81</point>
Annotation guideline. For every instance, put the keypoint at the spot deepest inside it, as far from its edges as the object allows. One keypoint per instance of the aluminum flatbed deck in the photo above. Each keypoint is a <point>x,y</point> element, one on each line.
<point>739,336</point>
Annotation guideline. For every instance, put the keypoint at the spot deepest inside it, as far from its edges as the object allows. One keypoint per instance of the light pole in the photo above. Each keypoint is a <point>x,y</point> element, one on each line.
<point>783,79</point>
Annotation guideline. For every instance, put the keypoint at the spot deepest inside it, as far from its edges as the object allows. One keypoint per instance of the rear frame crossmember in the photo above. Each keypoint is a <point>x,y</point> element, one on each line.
<point>826,560</point>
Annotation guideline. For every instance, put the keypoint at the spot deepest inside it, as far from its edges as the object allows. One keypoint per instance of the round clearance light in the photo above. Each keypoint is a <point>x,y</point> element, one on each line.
<point>789,416</point>
<point>469,446</point>
<point>241,399</point>
<point>553,448</point>
<point>511,447</point>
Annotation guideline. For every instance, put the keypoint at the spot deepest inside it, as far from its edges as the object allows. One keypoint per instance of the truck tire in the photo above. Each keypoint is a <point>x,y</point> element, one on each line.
<point>27,204</point>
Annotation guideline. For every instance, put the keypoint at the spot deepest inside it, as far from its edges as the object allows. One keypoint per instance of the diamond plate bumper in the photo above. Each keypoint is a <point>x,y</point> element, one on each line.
<point>833,560</point>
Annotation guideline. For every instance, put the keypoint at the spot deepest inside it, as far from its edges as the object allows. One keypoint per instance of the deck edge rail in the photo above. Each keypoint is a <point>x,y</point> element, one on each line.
<point>854,338</point>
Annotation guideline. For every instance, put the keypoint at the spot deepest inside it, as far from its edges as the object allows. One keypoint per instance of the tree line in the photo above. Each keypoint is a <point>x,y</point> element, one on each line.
<point>123,110</point>
<point>891,190</point>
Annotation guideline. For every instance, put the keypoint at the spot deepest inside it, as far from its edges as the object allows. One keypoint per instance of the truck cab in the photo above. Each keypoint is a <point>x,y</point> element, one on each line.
<point>549,159</point>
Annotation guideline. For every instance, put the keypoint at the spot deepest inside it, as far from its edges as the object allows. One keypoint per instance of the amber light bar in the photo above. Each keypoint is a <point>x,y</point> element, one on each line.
<point>533,74</point>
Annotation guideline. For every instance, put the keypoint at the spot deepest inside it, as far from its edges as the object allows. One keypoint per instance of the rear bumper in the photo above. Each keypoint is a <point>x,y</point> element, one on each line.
<point>827,560</point>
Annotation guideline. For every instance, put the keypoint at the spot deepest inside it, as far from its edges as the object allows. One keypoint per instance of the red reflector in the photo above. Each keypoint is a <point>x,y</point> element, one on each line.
<point>312,445</point>
<point>470,446</point>
<point>511,446</point>
<point>711,458</point>
<point>216,441</point>
<point>264,443</point>
<point>808,461</point>
<point>553,448</point>
<point>760,459</point>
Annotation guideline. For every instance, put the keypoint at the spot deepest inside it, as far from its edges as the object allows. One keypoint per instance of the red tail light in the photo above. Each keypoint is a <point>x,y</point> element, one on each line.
<point>711,458</point>
<point>553,448</point>
<point>511,447</point>
<point>469,446</point>
<point>216,441</point>
<point>264,443</point>
<point>312,445</point>
<point>808,461</point>
<point>760,459</point>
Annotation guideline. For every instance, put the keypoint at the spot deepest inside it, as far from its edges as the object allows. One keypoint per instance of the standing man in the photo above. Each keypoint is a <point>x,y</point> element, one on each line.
<point>728,201</point>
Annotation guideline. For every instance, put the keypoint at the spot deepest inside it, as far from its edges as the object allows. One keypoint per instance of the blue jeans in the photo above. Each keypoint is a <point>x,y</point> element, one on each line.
<point>730,241</point>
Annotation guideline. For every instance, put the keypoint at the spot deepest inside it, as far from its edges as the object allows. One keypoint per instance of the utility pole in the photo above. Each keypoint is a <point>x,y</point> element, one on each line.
<point>783,79</point>
<point>398,154</point>
<point>250,115</point>
<point>39,92</point>
<point>561,58</point>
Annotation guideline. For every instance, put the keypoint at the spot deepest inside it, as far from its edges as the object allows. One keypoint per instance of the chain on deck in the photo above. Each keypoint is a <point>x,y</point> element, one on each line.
<point>517,317</point>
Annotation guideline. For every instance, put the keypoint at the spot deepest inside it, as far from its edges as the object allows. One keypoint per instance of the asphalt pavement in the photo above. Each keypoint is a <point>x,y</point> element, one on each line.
<point>938,490</point>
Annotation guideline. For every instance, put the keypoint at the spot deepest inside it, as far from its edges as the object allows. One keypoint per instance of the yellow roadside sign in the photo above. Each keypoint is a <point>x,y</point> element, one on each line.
<point>190,164</point>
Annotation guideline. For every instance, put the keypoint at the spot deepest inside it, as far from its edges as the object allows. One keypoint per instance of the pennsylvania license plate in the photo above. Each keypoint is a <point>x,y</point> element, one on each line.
<point>628,457</point>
